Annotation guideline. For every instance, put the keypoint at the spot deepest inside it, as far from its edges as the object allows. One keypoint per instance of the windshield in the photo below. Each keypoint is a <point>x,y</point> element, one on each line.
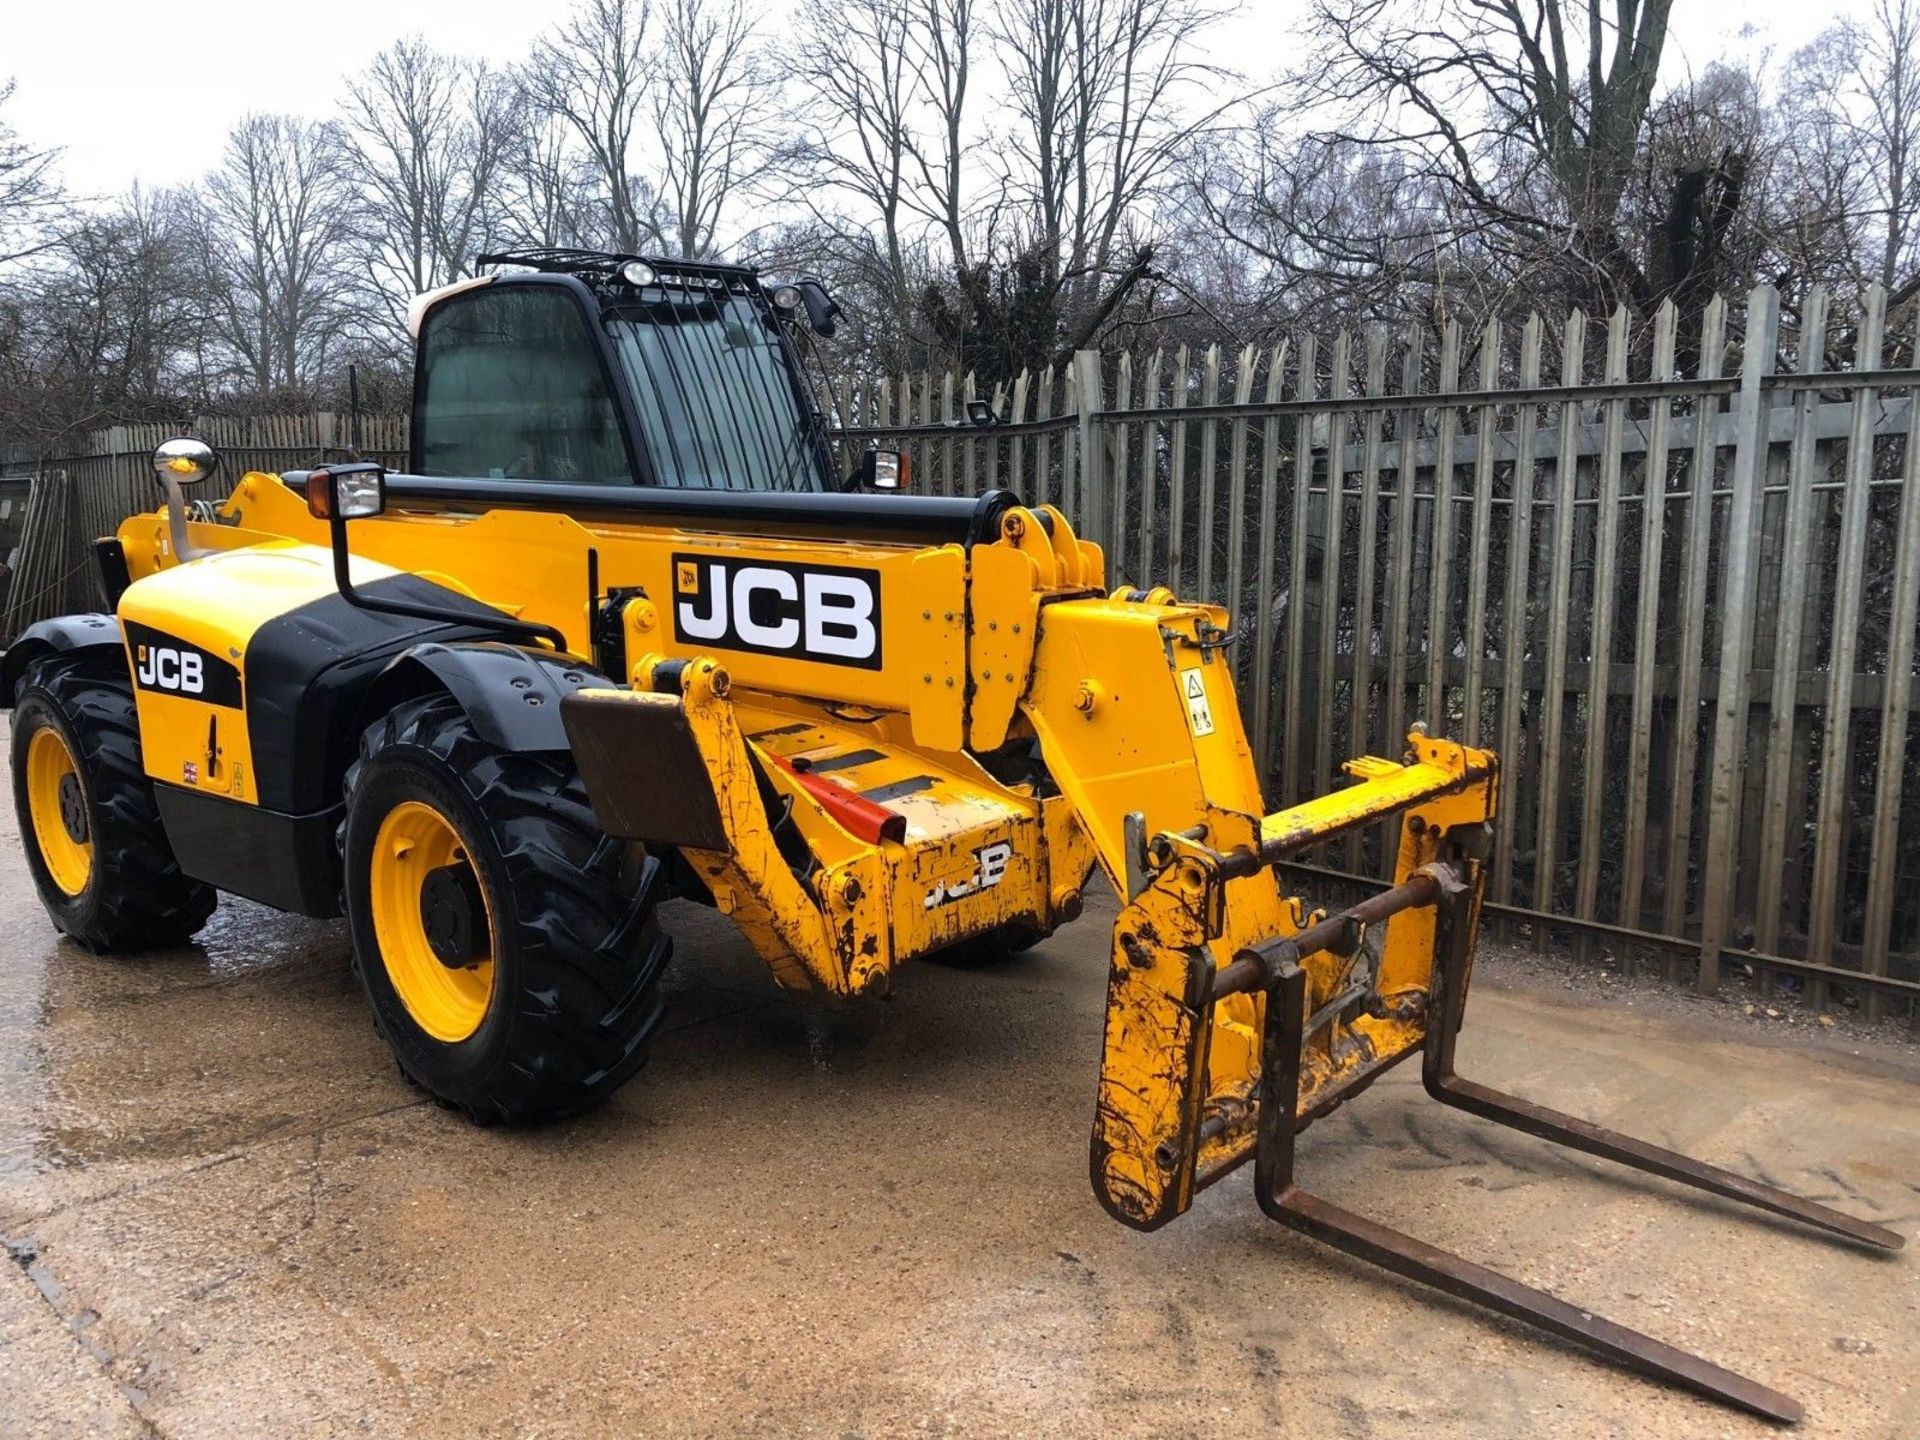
<point>715,392</point>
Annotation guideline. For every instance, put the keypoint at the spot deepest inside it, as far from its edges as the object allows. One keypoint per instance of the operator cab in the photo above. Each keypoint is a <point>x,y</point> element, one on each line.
<point>585,368</point>
<point>596,384</point>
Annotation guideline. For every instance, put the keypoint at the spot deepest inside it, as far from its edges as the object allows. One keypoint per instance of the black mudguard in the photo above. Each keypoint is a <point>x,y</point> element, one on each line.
<point>62,635</point>
<point>511,695</point>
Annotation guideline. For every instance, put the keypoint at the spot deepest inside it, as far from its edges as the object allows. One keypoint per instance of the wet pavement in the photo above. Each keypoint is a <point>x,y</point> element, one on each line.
<point>230,1217</point>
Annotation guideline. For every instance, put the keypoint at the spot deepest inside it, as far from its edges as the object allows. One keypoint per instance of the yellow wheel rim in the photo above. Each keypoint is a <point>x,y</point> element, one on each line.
<point>57,800</point>
<point>447,1001</point>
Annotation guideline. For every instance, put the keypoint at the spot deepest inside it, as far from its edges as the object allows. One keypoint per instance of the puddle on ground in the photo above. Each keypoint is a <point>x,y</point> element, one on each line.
<point>243,939</point>
<point>178,1052</point>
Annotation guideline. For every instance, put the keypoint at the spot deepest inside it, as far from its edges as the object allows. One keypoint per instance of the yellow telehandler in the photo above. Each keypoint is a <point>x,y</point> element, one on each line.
<point>622,633</point>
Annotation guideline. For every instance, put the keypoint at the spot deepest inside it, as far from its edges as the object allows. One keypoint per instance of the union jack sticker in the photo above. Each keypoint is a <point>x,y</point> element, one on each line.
<point>189,773</point>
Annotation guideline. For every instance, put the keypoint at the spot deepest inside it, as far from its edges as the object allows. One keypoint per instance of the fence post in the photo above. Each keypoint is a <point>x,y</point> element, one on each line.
<point>1889,775</point>
<point>1092,481</point>
<point>1850,575</point>
<point>1740,570</point>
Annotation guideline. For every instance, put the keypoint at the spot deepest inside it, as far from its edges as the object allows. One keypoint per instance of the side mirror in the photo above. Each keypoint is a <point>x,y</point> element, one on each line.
<point>823,313</point>
<point>885,470</point>
<point>353,491</point>
<point>185,461</point>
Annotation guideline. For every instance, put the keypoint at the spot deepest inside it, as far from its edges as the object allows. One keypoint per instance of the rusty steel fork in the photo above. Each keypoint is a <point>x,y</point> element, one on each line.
<point>1282,1199</point>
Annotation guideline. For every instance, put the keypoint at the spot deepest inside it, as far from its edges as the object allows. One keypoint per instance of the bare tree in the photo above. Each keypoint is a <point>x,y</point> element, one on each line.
<point>1109,95</point>
<point>855,64</point>
<point>593,73</point>
<point>1100,88</point>
<point>1855,125</point>
<point>1887,90</point>
<point>132,279</point>
<point>1693,212</point>
<point>1332,230</point>
<point>1530,112</point>
<point>992,183</point>
<point>548,193</point>
<point>425,137</point>
<point>30,193</point>
<point>939,46</point>
<point>274,229</point>
<point>111,323</point>
<point>715,107</point>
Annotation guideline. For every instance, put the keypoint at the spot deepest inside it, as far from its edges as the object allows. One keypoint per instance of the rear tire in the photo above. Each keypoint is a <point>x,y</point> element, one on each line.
<point>996,947</point>
<point>88,822</point>
<point>455,850</point>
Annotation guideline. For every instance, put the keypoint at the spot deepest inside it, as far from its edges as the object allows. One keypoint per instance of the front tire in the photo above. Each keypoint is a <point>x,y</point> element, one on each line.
<point>511,957</point>
<point>88,821</point>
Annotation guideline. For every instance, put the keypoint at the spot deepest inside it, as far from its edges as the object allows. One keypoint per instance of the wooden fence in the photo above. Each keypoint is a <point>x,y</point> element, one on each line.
<point>1682,607</point>
<point>62,503</point>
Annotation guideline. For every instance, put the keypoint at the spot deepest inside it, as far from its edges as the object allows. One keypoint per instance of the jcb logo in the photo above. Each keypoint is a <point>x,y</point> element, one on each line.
<point>989,869</point>
<point>168,665</point>
<point>161,668</point>
<point>829,613</point>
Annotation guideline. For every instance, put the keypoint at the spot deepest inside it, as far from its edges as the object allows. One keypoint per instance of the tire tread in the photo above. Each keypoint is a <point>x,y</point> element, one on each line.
<point>589,953</point>
<point>146,901</point>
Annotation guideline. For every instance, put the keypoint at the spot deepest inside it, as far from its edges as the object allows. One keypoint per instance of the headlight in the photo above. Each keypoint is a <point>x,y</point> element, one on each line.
<point>787,297</point>
<point>638,274</point>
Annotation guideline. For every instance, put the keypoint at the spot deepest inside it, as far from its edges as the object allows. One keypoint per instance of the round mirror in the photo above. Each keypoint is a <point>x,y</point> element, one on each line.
<point>185,461</point>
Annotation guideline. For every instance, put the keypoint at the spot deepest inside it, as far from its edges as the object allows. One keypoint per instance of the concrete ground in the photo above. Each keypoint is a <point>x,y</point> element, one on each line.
<point>230,1217</point>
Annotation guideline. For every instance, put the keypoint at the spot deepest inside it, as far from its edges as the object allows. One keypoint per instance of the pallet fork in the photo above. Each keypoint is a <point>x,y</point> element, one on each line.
<point>1275,969</point>
<point>1234,1020</point>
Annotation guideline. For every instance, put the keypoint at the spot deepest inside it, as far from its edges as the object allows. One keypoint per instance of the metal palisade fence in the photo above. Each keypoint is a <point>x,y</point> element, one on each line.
<point>1669,571</point>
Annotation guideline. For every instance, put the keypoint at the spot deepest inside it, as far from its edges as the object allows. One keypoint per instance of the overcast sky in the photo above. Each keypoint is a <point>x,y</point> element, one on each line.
<point>136,90</point>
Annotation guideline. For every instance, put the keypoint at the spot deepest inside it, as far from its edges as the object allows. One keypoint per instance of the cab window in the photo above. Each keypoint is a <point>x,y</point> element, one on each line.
<point>714,393</point>
<point>511,388</point>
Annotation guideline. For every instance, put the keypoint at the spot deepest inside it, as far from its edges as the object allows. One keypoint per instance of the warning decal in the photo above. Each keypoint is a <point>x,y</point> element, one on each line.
<point>1199,713</point>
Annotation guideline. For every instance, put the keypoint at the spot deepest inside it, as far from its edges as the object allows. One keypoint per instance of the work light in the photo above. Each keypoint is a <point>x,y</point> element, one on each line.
<point>886,470</point>
<point>354,491</point>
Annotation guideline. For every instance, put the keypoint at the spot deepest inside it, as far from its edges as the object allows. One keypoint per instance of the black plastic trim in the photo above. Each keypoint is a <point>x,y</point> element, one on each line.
<point>287,861</point>
<point>309,672</point>
<point>437,612</point>
<point>110,566</point>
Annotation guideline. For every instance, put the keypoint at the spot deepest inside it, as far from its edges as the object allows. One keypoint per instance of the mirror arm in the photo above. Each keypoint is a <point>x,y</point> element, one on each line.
<point>506,624</point>
<point>183,548</point>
